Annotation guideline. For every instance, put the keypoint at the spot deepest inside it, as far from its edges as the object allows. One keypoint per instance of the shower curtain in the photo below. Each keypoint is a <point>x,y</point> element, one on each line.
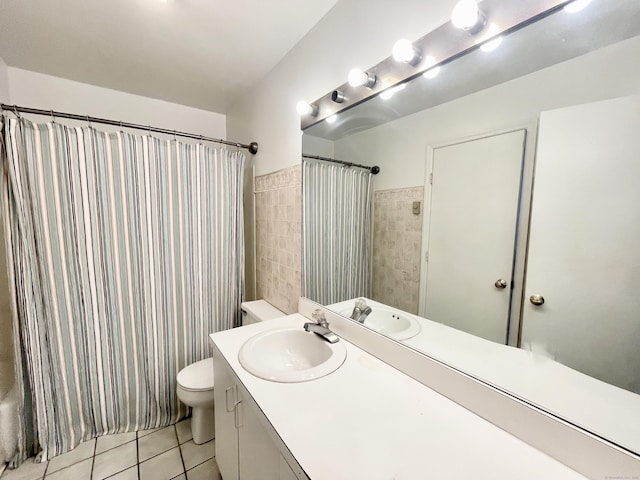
<point>124,253</point>
<point>337,232</point>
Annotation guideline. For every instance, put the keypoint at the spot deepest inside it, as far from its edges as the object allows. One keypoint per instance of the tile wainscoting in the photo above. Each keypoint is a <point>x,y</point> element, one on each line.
<point>397,237</point>
<point>278,220</point>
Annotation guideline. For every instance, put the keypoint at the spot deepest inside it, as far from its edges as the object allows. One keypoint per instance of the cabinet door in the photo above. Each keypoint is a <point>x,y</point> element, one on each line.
<point>584,259</point>
<point>259,456</point>
<point>225,398</point>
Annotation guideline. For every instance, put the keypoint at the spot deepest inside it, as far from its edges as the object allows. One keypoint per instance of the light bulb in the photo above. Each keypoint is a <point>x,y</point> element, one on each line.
<point>431,72</point>
<point>404,51</point>
<point>390,92</point>
<point>576,6</point>
<point>303,108</point>
<point>331,119</point>
<point>491,45</point>
<point>357,77</point>
<point>465,14</point>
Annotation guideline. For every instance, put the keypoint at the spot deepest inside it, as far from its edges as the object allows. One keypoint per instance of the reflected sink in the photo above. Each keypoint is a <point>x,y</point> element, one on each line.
<point>290,355</point>
<point>390,322</point>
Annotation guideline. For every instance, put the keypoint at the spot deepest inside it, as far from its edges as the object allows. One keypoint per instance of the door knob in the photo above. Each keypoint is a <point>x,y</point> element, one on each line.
<point>537,300</point>
<point>501,283</point>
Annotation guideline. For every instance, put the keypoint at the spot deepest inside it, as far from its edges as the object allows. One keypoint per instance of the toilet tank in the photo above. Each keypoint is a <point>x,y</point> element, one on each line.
<point>259,311</point>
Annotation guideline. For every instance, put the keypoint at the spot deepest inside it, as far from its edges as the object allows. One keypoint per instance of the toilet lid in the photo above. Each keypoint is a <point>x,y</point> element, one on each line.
<point>197,376</point>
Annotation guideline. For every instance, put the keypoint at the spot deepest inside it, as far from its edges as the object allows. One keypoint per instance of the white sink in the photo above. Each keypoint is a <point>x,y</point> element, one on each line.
<point>290,355</point>
<point>393,323</point>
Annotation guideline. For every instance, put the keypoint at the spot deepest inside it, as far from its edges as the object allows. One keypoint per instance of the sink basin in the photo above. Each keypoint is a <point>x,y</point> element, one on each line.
<point>390,322</point>
<point>290,355</point>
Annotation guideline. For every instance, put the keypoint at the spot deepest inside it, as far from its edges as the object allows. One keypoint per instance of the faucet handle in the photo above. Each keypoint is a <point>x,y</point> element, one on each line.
<point>319,318</point>
<point>361,303</point>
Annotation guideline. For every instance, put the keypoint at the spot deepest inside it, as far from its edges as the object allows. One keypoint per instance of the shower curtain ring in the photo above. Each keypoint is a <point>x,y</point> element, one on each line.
<point>175,139</point>
<point>15,110</point>
<point>53,118</point>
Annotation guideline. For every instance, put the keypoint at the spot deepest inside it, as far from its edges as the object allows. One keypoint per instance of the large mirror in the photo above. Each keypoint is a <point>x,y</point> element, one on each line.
<point>502,232</point>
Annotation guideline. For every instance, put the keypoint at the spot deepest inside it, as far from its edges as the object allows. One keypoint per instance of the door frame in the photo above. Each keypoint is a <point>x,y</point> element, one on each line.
<point>522,222</point>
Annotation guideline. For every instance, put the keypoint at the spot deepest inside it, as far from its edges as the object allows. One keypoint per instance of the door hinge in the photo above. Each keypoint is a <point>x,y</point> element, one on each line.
<point>431,178</point>
<point>426,257</point>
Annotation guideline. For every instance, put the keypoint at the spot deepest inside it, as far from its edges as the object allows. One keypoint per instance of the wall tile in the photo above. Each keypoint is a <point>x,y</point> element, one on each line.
<point>278,203</point>
<point>397,238</point>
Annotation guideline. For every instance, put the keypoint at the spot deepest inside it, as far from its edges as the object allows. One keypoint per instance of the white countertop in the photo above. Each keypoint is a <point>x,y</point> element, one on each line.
<point>369,421</point>
<point>597,406</point>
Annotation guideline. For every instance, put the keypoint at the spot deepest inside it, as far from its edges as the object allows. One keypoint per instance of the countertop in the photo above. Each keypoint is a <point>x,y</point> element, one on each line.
<point>597,406</point>
<point>370,421</point>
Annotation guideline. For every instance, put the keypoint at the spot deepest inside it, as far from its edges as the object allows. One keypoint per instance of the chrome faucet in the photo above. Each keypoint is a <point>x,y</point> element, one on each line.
<point>320,326</point>
<point>361,311</point>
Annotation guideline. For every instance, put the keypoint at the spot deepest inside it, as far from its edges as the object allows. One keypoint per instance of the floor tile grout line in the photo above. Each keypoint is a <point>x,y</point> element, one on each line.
<point>119,445</point>
<point>212,458</point>
<point>46,470</point>
<point>159,453</point>
<point>138,455</point>
<point>184,468</point>
<point>112,448</point>
<point>126,468</point>
<point>93,459</point>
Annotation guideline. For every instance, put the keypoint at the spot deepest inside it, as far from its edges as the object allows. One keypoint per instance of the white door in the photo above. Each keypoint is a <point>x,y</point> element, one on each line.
<point>584,246</point>
<point>471,234</point>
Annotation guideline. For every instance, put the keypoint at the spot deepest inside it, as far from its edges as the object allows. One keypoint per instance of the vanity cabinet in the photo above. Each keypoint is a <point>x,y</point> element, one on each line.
<point>247,447</point>
<point>226,435</point>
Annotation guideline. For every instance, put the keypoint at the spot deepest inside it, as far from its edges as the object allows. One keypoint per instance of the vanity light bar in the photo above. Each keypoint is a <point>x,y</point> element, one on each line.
<point>442,45</point>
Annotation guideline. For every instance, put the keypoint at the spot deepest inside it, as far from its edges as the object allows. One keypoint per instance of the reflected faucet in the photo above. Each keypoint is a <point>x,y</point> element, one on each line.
<point>320,326</point>
<point>361,310</point>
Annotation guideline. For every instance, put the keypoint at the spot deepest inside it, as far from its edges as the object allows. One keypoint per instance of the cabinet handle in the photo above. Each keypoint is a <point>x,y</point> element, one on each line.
<point>232,402</point>
<point>238,414</point>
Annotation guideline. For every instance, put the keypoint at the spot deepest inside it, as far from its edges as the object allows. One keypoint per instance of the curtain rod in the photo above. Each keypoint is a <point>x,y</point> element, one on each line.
<point>374,170</point>
<point>252,147</point>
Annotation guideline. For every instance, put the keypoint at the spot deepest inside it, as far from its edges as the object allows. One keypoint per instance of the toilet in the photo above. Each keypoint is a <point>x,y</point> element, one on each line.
<point>195,381</point>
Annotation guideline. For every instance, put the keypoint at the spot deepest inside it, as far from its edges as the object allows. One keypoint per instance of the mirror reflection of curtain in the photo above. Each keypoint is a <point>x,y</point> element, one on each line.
<point>124,253</point>
<point>337,231</point>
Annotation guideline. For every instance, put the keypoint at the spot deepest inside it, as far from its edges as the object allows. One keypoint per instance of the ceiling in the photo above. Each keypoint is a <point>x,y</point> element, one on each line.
<point>200,53</point>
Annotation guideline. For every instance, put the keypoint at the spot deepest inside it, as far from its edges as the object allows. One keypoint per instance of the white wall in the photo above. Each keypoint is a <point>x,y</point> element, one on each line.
<point>36,90</point>
<point>354,33</point>
<point>5,308</point>
<point>317,146</point>
<point>4,82</point>
<point>400,147</point>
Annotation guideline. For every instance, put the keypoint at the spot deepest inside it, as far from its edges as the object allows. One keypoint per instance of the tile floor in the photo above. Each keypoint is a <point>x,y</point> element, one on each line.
<point>159,454</point>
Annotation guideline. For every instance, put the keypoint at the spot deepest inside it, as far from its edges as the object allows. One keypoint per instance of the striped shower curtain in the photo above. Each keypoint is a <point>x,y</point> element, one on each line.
<point>337,206</point>
<point>124,253</point>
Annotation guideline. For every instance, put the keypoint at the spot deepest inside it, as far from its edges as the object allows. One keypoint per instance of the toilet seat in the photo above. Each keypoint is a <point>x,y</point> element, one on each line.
<point>197,377</point>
